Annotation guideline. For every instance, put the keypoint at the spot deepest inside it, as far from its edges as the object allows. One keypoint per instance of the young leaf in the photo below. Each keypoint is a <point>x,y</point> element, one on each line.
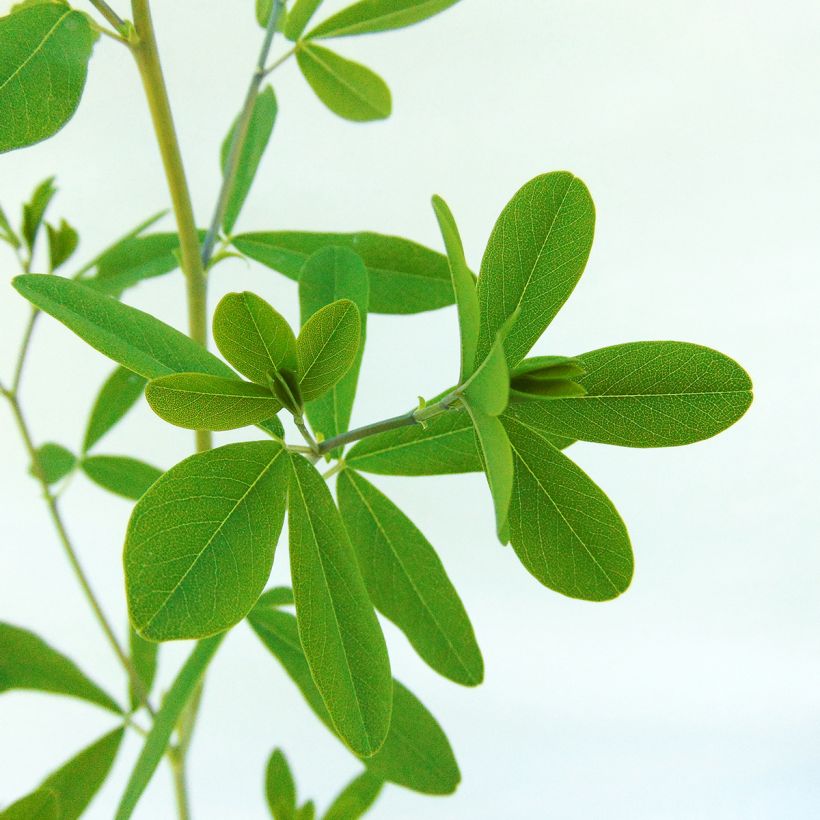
<point>535,256</point>
<point>53,462</point>
<point>144,660</point>
<point>356,798</point>
<point>368,16</point>
<point>280,788</point>
<point>7,233</point>
<point>28,662</point>
<point>488,388</point>
<point>130,337</point>
<point>407,582</point>
<point>276,596</point>
<point>548,368</point>
<point>62,242</point>
<point>498,463</point>
<point>122,475</point>
<point>200,543</point>
<point>328,275</point>
<point>299,16</point>
<point>405,277</point>
<point>463,286</point>
<point>647,394</point>
<point>44,54</point>
<point>35,209</point>
<point>307,811</point>
<point>327,346</point>
<point>117,396</point>
<point>258,134</point>
<point>44,804</point>
<point>198,401</point>
<point>416,753</point>
<point>338,628</point>
<point>253,337</point>
<point>165,721</point>
<point>564,529</point>
<point>348,89</point>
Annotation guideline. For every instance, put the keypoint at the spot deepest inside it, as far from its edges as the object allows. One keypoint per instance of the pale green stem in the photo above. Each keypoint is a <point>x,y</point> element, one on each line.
<point>276,63</point>
<point>110,15</point>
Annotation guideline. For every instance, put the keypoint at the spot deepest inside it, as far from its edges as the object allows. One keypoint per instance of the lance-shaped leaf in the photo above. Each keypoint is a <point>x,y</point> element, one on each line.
<point>165,722</point>
<point>368,16</point>
<point>488,388</point>
<point>144,660</point>
<point>647,394</point>
<point>356,798</point>
<point>122,475</point>
<point>258,134</point>
<point>327,346</point>
<point>44,804</point>
<point>416,753</point>
<point>200,543</point>
<point>198,401</point>
<point>299,16</point>
<point>136,340</point>
<point>117,396</point>
<point>348,89</point>
<point>463,286</point>
<point>62,242</point>
<point>44,54</point>
<point>535,256</point>
<point>7,233</point>
<point>407,582</point>
<point>253,336</point>
<point>280,788</point>
<point>405,277</point>
<point>53,462</point>
<point>34,211</point>
<point>28,662</point>
<point>328,275</point>
<point>338,628</point>
<point>564,529</point>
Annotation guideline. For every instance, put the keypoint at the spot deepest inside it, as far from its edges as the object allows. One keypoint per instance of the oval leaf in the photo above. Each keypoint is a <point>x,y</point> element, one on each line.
<point>200,543</point>
<point>280,788</point>
<point>369,16</point>
<point>407,582</point>
<point>338,628</point>
<point>44,54</point>
<point>299,16</point>
<point>348,89</point>
<point>53,463</point>
<point>118,395</point>
<point>122,475</point>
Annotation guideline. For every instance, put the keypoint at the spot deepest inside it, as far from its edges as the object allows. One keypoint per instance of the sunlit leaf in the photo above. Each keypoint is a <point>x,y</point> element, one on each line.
<point>299,16</point>
<point>356,798</point>
<point>120,392</point>
<point>280,788</point>
<point>368,16</point>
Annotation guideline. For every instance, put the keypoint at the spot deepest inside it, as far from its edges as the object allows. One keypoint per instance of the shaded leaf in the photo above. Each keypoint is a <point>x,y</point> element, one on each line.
<point>62,242</point>
<point>534,258</point>
<point>7,233</point>
<point>122,475</point>
<point>44,54</point>
<point>28,662</point>
<point>53,462</point>
<point>144,660</point>
<point>280,788</point>
<point>356,798</point>
<point>276,596</point>
<point>488,388</point>
<point>35,209</point>
<point>299,16</point>
<point>200,543</point>
<point>369,16</point>
<point>407,582</point>
<point>338,628</point>
<point>117,396</point>
<point>348,89</point>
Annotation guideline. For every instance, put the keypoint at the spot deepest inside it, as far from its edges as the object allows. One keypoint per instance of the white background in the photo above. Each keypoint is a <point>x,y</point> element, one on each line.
<point>695,125</point>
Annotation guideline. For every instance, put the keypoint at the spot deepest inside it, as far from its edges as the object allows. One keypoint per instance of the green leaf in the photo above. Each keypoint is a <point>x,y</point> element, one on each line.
<point>144,660</point>
<point>136,340</point>
<point>35,209</point>
<point>173,704</point>
<point>497,458</point>
<point>339,631</point>
<point>405,277</point>
<point>258,134</point>
<point>44,54</point>
<point>327,346</point>
<point>299,16</point>
<point>407,582</point>
<point>7,233</point>
<point>276,596</point>
<point>62,242</point>
<point>535,256</point>
<point>253,337</point>
<point>348,89</point>
<point>564,529</point>
<point>488,388</point>
<point>328,275</point>
<point>263,12</point>
<point>307,811</point>
<point>120,392</point>
<point>463,286</point>
<point>122,475</point>
<point>280,788</point>
<point>198,401</point>
<point>356,798</point>
<point>200,543</point>
<point>416,753</point>
<point>647,394</point>
<point>53,462</point>
<point>369,16</point>
<point>44,804</point>
<point>28,662</point>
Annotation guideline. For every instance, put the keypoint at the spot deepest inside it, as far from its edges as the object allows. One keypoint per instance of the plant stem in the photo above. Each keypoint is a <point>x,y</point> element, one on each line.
<point>110,15</point>
<point>276,63</point>
<point>21,358</point>
<point>240,136</point>
<point>147,57</point>
<point>177,758</point>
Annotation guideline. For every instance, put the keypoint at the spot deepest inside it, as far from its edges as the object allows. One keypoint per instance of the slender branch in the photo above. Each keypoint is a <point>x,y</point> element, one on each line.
<point>147,57</point>
<point>240,136</point>
<point>110,15</point>
<point>276,63</point>
<point>24,348</point>
<point>177,759</point>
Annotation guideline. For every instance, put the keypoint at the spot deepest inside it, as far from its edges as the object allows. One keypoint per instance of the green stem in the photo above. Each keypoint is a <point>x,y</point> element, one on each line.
<point>177,758</point>
<point>21,358</point>
<point>109,14</point>
<point>276,63</point>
